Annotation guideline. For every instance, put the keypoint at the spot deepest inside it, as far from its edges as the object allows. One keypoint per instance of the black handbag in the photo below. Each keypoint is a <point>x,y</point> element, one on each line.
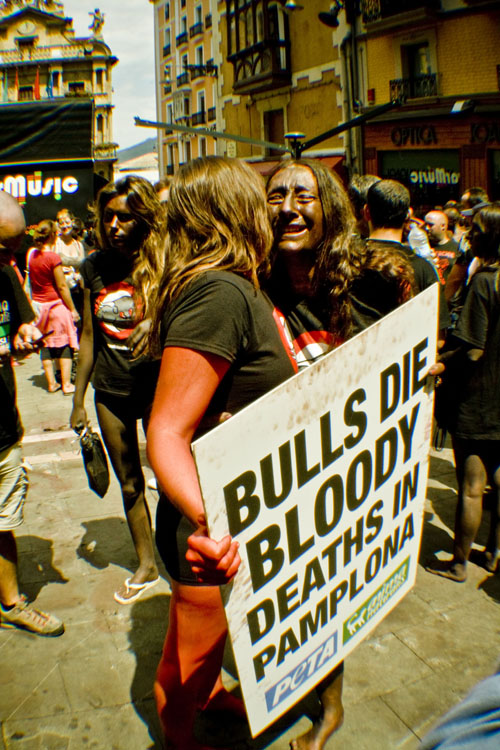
<point>94,461</point>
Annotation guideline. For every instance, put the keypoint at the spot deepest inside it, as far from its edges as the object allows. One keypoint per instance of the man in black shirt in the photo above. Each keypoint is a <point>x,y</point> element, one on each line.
<point>16,333</point>
<point>386,211</point>
<point>436,225</point>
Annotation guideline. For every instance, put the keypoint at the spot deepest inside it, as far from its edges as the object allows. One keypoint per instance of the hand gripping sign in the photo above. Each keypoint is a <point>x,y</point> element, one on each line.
<point>323,482</point>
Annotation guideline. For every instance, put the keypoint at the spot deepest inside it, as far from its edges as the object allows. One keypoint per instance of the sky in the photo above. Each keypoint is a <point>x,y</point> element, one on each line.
<point>128,31</point>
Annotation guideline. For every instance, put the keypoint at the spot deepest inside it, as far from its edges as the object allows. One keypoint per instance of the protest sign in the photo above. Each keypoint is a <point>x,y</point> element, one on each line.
<point>323,481</point>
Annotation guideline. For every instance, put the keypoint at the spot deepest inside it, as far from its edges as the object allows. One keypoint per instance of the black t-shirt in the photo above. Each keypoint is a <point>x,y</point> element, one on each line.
<point>221,313</point>
<point>425,276</point>
<point>446,255</point>
<point>15,310</point>
<point>114,317</point>
<point>478,398</point>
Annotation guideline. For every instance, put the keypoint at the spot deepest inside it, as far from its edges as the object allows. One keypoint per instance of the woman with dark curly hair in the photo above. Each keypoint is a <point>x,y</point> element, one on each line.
<point>118,283</point>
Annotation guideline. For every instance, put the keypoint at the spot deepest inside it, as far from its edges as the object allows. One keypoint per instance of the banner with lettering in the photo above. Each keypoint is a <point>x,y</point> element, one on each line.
<point>322,482</point>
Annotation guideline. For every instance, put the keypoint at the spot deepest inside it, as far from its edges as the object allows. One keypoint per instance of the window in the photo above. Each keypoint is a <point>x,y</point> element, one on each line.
<point>187,151</point>
<point>170,113</point>
<point>198,14</point>
<point>99,79</point>
<point>167,11</point>
<point>100,128</point>
<point>55,80</point>
<point>167,79</point>
<point>183,3</point>
<point>184,25</point>
<point>77,88</point>
<point>167,42</point>
<point>25,93</point>
<point>203,146</point>
<point>201,101</point>
<point>187,106</point>
<point>198,55</point>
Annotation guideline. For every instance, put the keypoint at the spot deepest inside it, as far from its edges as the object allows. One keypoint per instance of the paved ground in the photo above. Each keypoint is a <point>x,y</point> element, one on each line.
<point>92,688</point>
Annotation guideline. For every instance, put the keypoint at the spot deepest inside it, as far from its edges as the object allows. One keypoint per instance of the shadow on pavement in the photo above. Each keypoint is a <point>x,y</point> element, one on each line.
<point>35,566</point>
<point>107,541</point>
<point>149,621</point>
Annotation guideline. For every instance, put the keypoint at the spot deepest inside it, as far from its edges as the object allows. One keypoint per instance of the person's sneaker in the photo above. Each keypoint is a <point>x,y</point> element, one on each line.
<point>28,618</point>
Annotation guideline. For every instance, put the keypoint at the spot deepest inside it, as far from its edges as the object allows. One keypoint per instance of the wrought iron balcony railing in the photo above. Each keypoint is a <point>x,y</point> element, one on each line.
<point>181,38</point>
<point>183,79</point>
<point>198,118</point>
<point>414,88</point>
<point>196,29</point>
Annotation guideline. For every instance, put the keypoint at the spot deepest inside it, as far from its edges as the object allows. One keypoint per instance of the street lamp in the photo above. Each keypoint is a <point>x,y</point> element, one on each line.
<point>331,17</point>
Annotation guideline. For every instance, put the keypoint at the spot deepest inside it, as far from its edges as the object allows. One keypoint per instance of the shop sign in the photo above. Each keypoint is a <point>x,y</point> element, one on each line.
<point>19,185</point>
<point>437,176</point>
<point>485,132</point>
<point>414,135</point>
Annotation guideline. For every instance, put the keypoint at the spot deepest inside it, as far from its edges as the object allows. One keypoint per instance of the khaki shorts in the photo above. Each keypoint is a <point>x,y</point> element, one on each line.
<point>13,487</point>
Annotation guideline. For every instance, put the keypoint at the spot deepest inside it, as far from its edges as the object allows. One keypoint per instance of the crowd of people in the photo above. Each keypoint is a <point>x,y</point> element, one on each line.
<point>207,292</point>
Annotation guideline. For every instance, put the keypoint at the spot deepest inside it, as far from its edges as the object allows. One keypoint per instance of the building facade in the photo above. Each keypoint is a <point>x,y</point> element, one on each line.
<point>186,78</point>
<point>42,60</point>
<point>255,69</point>
<point>443,58</point>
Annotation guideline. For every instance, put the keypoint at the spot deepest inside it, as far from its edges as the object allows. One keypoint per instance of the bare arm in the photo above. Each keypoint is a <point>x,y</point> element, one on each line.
<point>85,366</point>
<point>188,380</point>
<point>64,293</point>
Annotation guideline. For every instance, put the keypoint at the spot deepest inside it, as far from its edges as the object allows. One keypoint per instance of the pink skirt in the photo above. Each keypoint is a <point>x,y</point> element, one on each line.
<point>54,316</point>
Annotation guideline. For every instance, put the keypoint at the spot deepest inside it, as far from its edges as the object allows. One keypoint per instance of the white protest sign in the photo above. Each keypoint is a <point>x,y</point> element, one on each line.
<point>323,481</point>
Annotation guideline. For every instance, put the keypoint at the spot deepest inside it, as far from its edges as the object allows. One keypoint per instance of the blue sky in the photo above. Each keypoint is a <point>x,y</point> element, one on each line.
<point>128,30</point>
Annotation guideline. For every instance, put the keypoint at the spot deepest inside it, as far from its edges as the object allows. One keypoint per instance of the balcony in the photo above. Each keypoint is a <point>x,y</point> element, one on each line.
<point>414,88</point>
<point>208,21</point>
<point>167,49</point>
<point>104,151</point>
<point>181,38</point>
<point>199,118</point>
<point>211,114</point>
<point>377,10</point>
<point>196,29</point>
<point>167,89</point>
<point>183,79</point>
<point>262,66</point>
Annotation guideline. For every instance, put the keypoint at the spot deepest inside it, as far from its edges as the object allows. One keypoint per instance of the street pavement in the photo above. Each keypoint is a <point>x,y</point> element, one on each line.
<point>92,687</point>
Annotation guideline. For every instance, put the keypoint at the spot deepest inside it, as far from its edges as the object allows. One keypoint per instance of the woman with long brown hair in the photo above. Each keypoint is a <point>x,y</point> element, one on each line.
<point>221,350</point>
<point>327,285</point>
<point>57,312</point>
<point>118,282</point>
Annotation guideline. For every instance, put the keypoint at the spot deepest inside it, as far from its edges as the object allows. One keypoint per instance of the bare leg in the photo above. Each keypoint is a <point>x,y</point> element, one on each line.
<point>120,436</point>
<point>65,366</point>
<point>48,369</point>
<point>9,590</point>
<point>221,699</point>
<point>472,478</point>
<point>191,661</point>
<point>332,713</point>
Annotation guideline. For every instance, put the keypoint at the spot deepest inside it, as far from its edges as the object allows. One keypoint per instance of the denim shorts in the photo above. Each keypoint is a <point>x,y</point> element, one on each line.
<point>13,487</point>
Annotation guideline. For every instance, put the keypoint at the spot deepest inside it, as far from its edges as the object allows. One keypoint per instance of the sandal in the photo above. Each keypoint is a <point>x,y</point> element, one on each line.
<point>135,590</point>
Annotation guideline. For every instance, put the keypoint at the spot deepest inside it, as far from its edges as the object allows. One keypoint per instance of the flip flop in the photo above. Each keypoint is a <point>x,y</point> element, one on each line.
<point>137,588</point>
<point>54,390</point>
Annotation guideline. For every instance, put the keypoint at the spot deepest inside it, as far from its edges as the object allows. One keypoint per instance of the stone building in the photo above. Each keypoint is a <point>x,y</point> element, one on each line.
<point>42,60</point>
<point>443,58</point>
<point>256,69</point>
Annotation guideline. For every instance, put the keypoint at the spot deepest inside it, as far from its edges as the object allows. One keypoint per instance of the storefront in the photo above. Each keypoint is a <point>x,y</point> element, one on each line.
<point>435,153</point>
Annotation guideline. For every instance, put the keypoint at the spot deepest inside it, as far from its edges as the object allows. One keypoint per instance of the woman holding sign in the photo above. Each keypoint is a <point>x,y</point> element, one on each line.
<point>327,286</point>
<point>221,349</point>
